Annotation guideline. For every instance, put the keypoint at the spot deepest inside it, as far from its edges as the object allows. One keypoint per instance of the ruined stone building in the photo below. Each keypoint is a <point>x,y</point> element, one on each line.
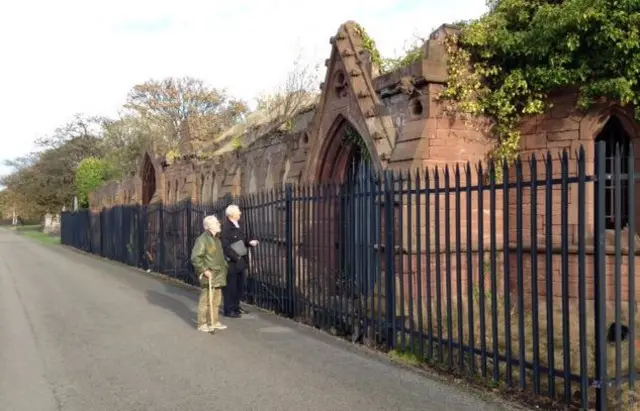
<point>402,126</point>
<point>395,114</point>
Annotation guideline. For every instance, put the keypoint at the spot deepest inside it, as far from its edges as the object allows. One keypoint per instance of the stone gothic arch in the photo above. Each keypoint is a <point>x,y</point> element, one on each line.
<point>341,152</point>
<point>200,188</point>
<point>214,188</point>
<point>617,140</point>
<point>148,180</point>
<point>252,188</point>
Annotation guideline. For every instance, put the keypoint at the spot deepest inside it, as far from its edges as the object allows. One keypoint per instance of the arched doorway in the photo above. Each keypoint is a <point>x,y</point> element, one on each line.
<point>148,180</point>
<point>347,222</point>
<point>343,155</point>
<point>617,142</point>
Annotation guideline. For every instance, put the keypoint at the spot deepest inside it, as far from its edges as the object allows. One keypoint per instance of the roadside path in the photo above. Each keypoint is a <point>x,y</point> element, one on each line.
<point>79,333</point>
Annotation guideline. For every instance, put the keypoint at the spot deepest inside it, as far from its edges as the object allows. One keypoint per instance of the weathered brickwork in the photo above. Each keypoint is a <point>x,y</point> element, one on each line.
<point>403,127</point>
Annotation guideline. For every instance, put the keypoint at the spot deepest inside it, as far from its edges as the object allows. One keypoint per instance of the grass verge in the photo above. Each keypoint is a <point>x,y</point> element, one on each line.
<point>35,232</point>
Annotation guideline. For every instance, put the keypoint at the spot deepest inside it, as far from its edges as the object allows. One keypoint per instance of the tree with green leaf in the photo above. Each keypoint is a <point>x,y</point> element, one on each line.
<point>503,65</point>
<point>90,174</point>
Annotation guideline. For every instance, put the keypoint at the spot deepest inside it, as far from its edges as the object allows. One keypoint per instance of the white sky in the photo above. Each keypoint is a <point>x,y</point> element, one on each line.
<point>63,57</point>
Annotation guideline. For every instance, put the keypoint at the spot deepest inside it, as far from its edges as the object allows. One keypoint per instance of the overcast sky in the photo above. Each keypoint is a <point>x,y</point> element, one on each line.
<point>63,57</point>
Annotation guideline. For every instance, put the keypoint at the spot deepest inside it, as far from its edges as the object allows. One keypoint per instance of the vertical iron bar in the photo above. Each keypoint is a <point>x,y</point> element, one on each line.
<point>400,256</point>
<point>190,240</point>
<point>600,280</point>
<point>382,241</point>
<point>534,275</point>
<point>373,271</point>
<point>459,289</point>
<point>520,274</point>
<point>564,217</point>
<point>618,270</point>
<point>356,262</point>
<point>312,270</point>
<point>494,271</point>
<point>299,287</point>
<point>427,217</point>
<point>393,252</point>
<point>419,264</point>
<point>289,248</point>
<point>307,205</point>
<point>260,252</point>
<point>548,227</point>
<point>390,257</point>
<point>447,246</point>
<point>438,266</point>
<point>341,229</point>
<point>161,249</point>
<point>507,274</point>
<point>280,211</point>
<point>481,279</point>
<point>272,277</point>
<point>325,269</point>
<point>470,293</point>
<point>582,281</point>
<point>410,257</point>
<point>631,207</point>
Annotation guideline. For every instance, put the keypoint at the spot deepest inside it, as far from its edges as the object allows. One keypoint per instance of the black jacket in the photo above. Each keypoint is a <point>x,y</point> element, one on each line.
<point>229,235</point>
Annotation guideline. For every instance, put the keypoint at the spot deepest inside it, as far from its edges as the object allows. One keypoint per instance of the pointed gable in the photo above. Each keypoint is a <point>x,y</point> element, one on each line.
<point>348,93</point>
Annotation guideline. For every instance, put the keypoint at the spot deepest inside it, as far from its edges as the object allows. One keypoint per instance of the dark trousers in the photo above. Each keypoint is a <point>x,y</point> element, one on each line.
<point>232,293</point>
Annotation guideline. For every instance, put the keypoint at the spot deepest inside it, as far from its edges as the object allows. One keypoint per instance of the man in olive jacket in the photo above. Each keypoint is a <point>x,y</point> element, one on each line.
<point>209,262</point>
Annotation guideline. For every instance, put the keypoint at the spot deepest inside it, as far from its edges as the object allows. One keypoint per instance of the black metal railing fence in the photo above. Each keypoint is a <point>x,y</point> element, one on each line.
<point>521,275</point>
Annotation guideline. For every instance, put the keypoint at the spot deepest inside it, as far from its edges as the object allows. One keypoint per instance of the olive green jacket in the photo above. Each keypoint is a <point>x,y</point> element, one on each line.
<point>207,254</point>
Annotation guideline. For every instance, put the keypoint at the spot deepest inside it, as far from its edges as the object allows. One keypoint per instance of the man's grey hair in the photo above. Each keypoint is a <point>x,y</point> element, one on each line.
<point>232,209</point>
<point>209,221</point>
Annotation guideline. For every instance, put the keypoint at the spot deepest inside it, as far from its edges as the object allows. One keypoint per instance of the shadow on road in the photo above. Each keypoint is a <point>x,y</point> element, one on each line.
<point>174,305</point>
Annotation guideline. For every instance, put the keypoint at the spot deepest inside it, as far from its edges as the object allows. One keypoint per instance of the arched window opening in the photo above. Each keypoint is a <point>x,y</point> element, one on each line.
<point>148,181</point>
<point>214,189</point>
<point>200,194</point>
<point>617,143</point>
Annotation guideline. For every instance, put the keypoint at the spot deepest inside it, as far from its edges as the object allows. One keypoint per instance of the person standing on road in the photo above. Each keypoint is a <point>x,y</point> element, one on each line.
<point>234,242</point>
<point>210,265</point>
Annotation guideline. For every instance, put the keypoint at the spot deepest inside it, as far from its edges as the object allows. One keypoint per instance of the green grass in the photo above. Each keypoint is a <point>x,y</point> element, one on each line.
<point>35,232</point>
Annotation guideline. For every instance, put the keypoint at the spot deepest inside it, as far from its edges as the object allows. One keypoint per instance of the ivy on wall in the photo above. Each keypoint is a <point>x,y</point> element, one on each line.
<point>387,65</point>
<point>369,44</point>
<point>503,65</point>
<point>352,136</point>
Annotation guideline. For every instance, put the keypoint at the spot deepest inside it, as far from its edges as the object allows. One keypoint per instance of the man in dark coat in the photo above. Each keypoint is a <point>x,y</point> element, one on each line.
<point>235,246</point>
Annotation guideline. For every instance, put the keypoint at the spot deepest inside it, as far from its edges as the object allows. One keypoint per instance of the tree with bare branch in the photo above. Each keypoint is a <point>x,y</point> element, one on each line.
<point>297,91</point>
<point>170,102</point>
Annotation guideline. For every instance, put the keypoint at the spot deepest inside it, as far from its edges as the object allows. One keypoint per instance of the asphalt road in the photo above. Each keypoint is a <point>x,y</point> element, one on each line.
<point>80,333</point>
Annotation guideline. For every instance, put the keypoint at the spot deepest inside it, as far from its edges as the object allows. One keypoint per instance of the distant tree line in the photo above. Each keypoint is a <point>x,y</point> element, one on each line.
<point>81,155</point>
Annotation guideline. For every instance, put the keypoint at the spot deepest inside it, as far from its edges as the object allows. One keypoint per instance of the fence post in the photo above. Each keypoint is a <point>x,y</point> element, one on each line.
<point>161,239</point>
<point>600,280</point>
<point>102,237</point>
<point>190,270</point>
<point>289,248</point>
<point>141,212</point>
<point>92,247</point>
<point>124,225</point>
<point>189,225</point>
<point>389,230</point>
